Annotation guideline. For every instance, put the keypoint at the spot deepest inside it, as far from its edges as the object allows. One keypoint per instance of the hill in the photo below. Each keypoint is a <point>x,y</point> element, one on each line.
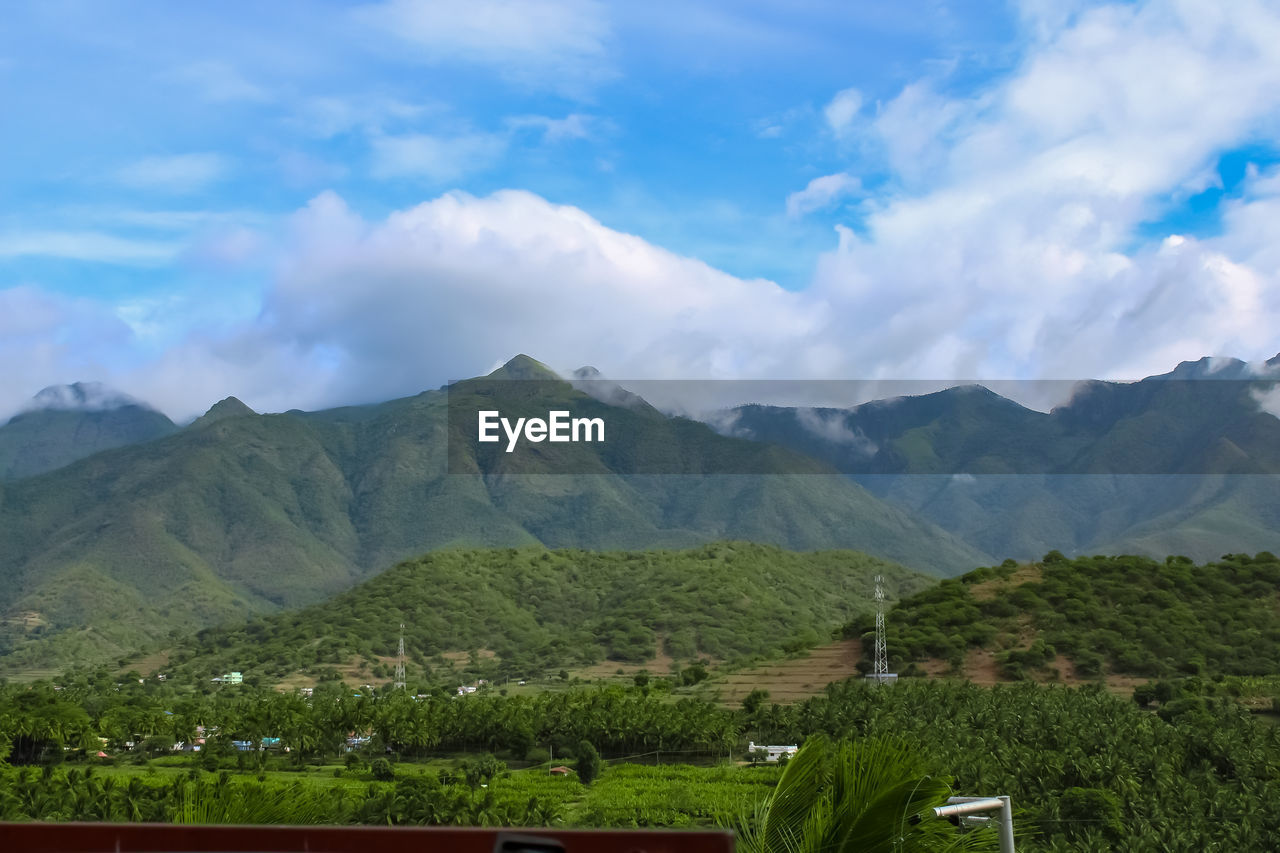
<point>242,514</point>
<point>69,422</point>
<point>1095,616</point>
<point>531,610</point>
<point>1185,462</point>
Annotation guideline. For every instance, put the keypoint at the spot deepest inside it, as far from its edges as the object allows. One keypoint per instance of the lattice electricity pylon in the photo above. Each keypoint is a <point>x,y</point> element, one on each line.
<point>881,667</point>
<point>400,660</point>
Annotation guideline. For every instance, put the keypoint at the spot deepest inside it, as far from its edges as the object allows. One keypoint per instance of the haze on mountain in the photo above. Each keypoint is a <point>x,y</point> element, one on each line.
<point>241,513</point>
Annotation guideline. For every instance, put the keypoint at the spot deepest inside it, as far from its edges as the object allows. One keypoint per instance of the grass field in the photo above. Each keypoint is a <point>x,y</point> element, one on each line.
<point>625,794</point>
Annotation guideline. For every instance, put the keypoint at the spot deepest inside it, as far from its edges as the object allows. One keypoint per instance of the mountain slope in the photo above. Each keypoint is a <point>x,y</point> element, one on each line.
<point>249,513</point>
<point>1099,615</point>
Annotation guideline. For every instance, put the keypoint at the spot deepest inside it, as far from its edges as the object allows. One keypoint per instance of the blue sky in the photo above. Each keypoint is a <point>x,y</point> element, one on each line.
<point>315,203</point>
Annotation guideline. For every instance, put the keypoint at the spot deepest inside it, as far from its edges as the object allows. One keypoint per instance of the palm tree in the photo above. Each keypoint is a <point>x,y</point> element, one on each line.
<point>863,796</point>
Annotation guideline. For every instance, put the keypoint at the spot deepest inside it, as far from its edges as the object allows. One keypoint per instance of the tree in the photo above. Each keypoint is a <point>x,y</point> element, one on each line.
<point>693,674</point>
<point>588,763</point>
<point>754,701</point>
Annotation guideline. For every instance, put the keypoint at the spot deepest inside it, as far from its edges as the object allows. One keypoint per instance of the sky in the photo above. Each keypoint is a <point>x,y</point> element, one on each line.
<point>308,204</point>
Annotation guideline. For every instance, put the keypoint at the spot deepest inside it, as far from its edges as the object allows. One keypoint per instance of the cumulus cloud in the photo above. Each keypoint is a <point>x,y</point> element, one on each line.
<point>822,193</point>
<point>1010,250</point>
<point>1011,246</point>
<point>181,173</point>
<point>461,281</point>
<point>54,339</point>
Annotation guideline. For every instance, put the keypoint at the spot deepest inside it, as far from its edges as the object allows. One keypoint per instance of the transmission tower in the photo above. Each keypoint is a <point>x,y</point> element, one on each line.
<point>880,669</point>
<point>400,660</point>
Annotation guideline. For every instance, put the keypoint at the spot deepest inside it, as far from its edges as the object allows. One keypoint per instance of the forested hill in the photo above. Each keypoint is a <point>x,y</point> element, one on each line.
<point>540,609</point>
<point>1096,616</point>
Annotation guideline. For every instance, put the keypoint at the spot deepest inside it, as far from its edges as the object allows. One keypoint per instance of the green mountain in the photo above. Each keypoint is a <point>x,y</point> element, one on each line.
<point>539,610</point>
<point>1096,616</point>
<point>243,514</point>
<point>70,422</point>
<point>1184,463</point>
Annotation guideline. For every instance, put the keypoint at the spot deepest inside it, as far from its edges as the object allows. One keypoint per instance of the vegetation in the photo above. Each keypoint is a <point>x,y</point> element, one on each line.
<point>1126,614</point>
<point>1086,770</point>
<point>540,610</point>
<point>864,796</point>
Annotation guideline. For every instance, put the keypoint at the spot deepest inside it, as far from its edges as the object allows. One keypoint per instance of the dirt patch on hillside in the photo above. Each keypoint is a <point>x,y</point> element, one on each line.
<point>659,665</point>
<point>988,590</point>
<point>981,668</point>
<point>462,657</point>
<point>154,662</point>
<point>27,620</point>
<point>794,679</point>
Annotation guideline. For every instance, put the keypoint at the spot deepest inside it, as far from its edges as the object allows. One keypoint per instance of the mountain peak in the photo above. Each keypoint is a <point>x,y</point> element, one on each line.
<point>524,367</point>
<point>231,407</point>
<point>1209,367</point>
<point>82,397</point>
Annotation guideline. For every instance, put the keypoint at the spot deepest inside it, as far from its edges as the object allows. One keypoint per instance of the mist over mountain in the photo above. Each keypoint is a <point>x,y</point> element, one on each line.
<point>64,423</point>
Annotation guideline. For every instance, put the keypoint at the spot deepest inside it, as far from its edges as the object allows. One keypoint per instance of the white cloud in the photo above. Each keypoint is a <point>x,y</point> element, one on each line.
<point>1009,250</point>
<point>461,281</point>
<point>842,110</point>
<point>326,116</point>
<point>833,427</point>
<point>219,82</point>
<point>55,339</point>
<point>572,126</point>
<point>439,159</point>
<point>822,193</point>
<point>181,173</point>
<point>558,44</point>
<point>85,246</point>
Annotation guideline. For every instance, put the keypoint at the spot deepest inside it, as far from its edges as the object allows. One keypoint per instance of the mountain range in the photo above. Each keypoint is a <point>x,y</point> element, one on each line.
<point>118,527</point>
<point>242,513</point>
<point>1181,463</point>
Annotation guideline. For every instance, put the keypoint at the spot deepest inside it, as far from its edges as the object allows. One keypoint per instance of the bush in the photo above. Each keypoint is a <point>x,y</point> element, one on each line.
<point>588,763</point>
<point>382,770</point>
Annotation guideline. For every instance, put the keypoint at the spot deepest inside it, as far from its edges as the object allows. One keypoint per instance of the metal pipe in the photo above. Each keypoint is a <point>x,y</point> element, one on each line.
<point>958,807</point>
<point>968,807</point>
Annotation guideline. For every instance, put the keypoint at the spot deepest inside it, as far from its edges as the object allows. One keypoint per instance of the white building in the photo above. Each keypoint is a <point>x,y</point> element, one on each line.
<point>773,753</point>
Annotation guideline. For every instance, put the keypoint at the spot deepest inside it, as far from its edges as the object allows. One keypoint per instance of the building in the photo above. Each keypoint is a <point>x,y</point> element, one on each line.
<point>229,678</point>
<point>773,753</point>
